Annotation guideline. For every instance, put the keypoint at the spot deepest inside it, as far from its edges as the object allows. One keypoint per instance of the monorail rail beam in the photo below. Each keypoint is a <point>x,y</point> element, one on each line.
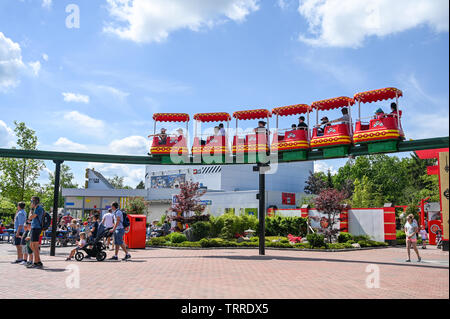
<point>315,155</point>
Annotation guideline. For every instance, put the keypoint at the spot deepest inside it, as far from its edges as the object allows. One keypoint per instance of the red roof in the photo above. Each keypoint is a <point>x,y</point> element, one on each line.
<point>334,103</point>
<point>377,95</point>
<point>252,114</point>
<point>291,109</point>
<point>212,117</point>
<point>171,117</point>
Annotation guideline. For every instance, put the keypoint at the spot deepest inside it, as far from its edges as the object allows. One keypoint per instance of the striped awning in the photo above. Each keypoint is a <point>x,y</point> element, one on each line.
<point>171,117</point>
<point>291,109</point>
<point>377,95</point>
<point>252,114</point>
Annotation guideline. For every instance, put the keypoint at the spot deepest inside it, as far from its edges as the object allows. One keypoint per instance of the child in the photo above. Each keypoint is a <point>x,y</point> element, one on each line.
<point>80,244</point>
<point>438,239</point>
<point>424,235</point>
<point>26,249</point>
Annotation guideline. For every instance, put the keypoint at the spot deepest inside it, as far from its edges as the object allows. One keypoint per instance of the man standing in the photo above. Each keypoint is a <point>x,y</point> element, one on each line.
<point>118,232</point>
<point>107,223</point>
<point>19,222</point>
<point>36,219</point>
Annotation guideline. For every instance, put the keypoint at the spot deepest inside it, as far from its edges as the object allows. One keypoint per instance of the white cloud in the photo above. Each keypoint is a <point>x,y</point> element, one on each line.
<point>347,23</point>
<point>45,57</point>
<point>7,136</point>
<point>323,166</point>
<point>83,121</point>
<point>67,145</point>
<point>46,3</point>
<point>74,97</point>
<point>121,95</point>
<point>35,67</point>
<point>153,20</point>
<point>12,65</point>
<point>131,145</point>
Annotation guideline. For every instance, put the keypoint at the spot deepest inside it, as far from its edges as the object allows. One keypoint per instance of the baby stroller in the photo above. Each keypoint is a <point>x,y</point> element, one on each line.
<point>98,248</point>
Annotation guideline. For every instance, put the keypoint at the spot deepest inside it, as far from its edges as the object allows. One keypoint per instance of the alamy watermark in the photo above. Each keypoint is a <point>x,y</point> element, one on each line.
<point>73,19</point>
<point>373,279</point>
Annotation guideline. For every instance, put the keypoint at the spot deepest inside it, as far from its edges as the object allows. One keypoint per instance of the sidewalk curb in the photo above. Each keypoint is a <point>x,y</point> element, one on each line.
<point>270,248</point>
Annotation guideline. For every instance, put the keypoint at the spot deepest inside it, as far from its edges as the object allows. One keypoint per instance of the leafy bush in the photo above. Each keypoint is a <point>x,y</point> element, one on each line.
<point>284,241</point>
<point>401,234</point>
<point>358,238</point>
<point>177,237</point>
<point>201,230</point>
<point>233,224</point>
<point>316,240</point>
<point>344,237</point>
<point>302,245</point>
<point>282,226</point>
<point>158,241</point>
<point>350,242</point>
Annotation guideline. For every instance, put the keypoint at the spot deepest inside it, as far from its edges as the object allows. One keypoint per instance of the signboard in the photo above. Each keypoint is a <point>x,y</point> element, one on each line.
<point>444,190</point>
<point>288,198</point>
<point>167,181</point>
<point>205,202</point>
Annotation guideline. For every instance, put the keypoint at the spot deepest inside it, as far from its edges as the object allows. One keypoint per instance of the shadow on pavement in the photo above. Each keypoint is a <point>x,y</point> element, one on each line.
<point>284,258</point>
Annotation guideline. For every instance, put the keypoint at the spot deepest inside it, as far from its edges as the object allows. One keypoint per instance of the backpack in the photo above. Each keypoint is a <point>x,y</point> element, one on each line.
<point>126,220</point>
<point>46,220</point>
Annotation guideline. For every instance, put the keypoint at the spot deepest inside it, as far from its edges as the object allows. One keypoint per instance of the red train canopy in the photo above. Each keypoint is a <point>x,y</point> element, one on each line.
<point>212,117</point>
<point>378,95</point>
<point>252,114</point>
<point>171,117</point>
<point>334,103</point>
<point>291,109</point>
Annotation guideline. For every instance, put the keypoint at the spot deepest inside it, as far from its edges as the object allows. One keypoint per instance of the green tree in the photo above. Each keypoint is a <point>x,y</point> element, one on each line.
<point>66,180</point>
<point>366,194</point>
<point>141,185</point>
<point>315,183</point>
<point>118,182</point>
<point>18,177</point>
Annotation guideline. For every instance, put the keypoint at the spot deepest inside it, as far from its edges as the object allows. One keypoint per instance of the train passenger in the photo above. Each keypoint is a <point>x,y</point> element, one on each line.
<point>325,122</point>
<point>222,130</point>
<point>379,114</point>
<point>393,110</point>
<point>345,118</point>
<point>301,123</point>
<point>217,131</point>
<point>261,129</point>
<point>162,137</point>
<point>293,127</point>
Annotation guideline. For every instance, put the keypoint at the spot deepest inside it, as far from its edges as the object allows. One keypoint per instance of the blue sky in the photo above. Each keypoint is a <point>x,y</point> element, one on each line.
<point>95,88</point>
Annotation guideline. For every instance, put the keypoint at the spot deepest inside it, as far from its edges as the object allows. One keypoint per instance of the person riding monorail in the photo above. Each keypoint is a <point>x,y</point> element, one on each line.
<point>345,118</point>
<point>221,130</point>
<point>162,136</point>
<point>379,114</point>
<point>325,123</point>
<point>301,124</point>
<point>393,110</point>
<point>261,129</point>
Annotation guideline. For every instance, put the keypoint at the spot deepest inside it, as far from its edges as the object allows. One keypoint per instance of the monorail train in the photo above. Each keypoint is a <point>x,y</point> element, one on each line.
<point>381,132</point>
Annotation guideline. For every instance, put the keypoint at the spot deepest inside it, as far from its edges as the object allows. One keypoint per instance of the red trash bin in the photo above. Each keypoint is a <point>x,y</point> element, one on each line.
<point>135,236</point>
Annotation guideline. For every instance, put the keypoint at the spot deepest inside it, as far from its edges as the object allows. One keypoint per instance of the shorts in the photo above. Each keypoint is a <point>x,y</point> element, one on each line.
<point>17,240</point>
<point>412,240</point>
<point>118,236</point>
<point>35,234</point>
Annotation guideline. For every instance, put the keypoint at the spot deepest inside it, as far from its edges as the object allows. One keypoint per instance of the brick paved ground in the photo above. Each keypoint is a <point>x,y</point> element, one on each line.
<point>231,273</point>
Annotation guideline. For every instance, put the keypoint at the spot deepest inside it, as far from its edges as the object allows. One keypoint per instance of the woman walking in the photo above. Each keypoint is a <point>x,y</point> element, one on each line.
<point>411,229</point>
